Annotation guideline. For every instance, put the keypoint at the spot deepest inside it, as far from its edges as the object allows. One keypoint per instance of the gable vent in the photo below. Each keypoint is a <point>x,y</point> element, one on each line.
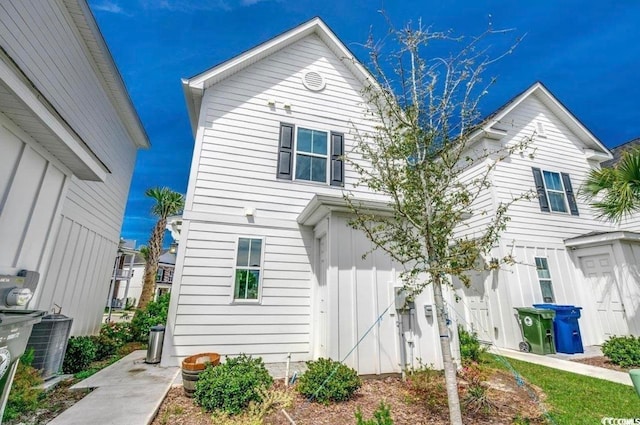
<point>313,80</point>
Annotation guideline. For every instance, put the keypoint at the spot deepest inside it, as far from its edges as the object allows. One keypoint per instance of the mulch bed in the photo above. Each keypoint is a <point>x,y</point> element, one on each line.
<point>602,361</point>
<point>407,407</point>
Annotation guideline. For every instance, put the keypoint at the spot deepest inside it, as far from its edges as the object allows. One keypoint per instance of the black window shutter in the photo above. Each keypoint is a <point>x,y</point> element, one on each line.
<point>337,163</point>
<point>285,152</point>
<point>571,198</point>
<point>542,195</point>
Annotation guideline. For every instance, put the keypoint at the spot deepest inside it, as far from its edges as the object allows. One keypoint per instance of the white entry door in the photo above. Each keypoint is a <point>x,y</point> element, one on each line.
<point>602,284</point>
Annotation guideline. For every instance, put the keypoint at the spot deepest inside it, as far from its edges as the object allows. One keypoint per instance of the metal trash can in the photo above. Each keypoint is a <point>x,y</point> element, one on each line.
<point>566,327</point>
<point>154,350</point>
<point>536,325</point>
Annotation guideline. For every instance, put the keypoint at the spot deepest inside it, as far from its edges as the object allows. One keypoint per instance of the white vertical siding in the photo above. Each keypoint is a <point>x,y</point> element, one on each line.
<point>76,247</point>
<point>31,188</point>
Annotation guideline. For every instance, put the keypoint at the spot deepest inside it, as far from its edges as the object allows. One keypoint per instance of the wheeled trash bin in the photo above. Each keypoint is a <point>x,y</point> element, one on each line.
<point>536,325</point>
<point>566,327</point>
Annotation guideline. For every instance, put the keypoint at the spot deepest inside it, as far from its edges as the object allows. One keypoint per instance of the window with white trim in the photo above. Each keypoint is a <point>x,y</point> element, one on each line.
<point>555,191</point>
<point>305,154</point>
<point>311,155</point>
<point>248,271</point>
<point>544,278</point>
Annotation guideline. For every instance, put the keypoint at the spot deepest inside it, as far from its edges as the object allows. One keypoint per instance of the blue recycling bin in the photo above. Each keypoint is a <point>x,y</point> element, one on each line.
<point>566,327</point>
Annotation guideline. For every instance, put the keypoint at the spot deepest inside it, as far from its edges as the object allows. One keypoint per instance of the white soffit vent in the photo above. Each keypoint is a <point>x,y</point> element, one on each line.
<point>313,80</point>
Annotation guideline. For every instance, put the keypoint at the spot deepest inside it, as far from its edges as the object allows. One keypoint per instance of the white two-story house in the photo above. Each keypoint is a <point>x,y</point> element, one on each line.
<point>267,264</point>
<point>564,254</point>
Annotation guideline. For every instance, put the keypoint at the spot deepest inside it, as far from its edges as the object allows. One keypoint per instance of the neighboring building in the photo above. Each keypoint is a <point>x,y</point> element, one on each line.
<point>126,279</point>
<point>128,274</point>
<point>267,263</point>
<point>166,267</point>
<point>68,136</point>
<point>564,254</point>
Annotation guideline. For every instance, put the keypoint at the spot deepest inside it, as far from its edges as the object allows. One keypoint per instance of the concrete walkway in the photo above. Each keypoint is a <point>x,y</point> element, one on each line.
<point>129,392</point>
<point>566,365</point>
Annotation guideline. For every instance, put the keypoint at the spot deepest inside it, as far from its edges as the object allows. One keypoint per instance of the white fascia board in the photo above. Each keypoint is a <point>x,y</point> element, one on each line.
<point>574,122</point>
<point>194,87</point>
<point>119,95</point>
<point>602,238</point>
<point>37,103</point>
<point>320,205</point>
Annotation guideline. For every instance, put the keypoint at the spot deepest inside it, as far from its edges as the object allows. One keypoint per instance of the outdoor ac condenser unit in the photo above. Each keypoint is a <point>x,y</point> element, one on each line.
<point>49,342</point>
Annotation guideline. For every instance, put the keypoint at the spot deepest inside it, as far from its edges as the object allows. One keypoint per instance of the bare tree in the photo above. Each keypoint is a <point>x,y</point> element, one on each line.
<point>424,155</point>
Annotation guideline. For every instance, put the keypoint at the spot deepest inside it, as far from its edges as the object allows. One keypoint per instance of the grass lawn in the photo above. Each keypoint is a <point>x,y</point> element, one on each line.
<point>577,399</point>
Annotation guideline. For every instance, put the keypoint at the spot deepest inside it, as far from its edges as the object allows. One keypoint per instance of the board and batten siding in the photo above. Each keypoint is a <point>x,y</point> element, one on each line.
<point>44,42</point>
<point>32,190</point>
<point>234,167</point>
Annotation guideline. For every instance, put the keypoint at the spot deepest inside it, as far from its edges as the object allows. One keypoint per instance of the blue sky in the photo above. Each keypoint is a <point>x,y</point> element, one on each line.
<point>586,52</point>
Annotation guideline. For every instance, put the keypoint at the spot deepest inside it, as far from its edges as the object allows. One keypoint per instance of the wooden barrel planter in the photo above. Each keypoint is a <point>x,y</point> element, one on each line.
<point>192,366</point>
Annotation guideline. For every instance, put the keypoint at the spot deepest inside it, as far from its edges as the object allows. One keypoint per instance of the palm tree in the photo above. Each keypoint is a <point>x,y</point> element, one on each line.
<point>615,192</point>
<point>168,203</point>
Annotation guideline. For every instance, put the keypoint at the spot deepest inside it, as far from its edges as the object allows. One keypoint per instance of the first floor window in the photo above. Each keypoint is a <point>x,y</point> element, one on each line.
<point>248,269</point>
<point>544,277</point>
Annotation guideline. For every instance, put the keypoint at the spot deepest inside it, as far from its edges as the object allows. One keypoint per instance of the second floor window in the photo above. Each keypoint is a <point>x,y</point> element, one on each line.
<point>555,192</point>
<point>311,155</point>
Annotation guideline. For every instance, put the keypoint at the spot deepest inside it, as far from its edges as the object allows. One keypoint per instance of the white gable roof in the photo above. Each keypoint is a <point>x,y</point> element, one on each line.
<point>557,108</point>
<point>194,87</point>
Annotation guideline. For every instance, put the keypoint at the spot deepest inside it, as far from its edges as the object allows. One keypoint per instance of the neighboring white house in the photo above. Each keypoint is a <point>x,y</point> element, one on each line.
<point>68,136</point>
<point>564,254</point>
<point>267,263</point>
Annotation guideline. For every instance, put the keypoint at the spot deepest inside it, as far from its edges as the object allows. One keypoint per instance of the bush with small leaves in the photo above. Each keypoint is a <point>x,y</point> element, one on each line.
<point>231,386</point>
<point>327,380</point>
<point>105,346</point>
<point>81,351</point>
<point>623,350</point>
<point>381,416</point>
<point>25,390</point>
<point>154,314</point>
<point>470,347</point>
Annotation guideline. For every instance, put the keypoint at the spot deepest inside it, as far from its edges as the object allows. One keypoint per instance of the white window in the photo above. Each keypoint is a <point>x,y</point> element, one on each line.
<point>555,191</point>
<point>311,155</point>
<point>248,271</point>
<point>544,277</point>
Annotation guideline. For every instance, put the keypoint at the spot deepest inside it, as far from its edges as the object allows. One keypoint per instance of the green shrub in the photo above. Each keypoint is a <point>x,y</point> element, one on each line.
<point>623,350</point>
<point>327,380</point>
<point>120,333</point>
<point>154,314</point>
<point>470,347</point>
<point>381,416</point>
<point>25,390</point>
<point>105,346</point>
<point>231,386</point>
<point>81,351</point>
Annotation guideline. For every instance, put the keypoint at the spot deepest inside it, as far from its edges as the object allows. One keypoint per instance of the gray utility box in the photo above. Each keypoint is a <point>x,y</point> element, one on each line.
<point>49,342</point>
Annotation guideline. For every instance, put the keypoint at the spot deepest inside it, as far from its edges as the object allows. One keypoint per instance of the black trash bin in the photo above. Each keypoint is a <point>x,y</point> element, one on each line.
<point>15,329</point>
<point>566,327</point>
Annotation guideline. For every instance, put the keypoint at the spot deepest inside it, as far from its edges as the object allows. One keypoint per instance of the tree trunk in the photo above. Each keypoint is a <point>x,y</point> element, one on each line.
<point>451,381</point>
<point>151,267</point>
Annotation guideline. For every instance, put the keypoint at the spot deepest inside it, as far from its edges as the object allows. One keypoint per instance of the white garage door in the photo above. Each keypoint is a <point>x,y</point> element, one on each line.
<point>601,280</point>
